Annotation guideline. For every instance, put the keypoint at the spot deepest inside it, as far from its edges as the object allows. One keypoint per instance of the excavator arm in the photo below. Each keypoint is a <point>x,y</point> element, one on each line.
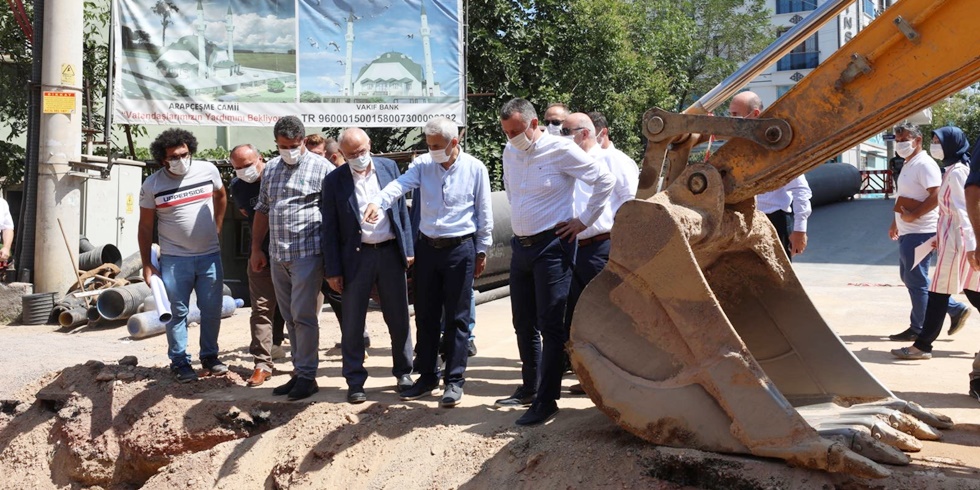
<point>698,333</point>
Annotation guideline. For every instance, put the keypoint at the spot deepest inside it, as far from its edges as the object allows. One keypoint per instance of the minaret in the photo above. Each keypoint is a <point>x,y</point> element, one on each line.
<point>430,74</point>
<point>230,29</point>
<point>348,66</point>
<point>202,65</point>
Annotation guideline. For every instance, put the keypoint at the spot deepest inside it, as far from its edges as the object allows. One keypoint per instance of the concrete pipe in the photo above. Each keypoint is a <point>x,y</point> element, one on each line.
<point>73,317</point>
<point>148,324</point>
<point>122,302</point>
<point>106,254</point>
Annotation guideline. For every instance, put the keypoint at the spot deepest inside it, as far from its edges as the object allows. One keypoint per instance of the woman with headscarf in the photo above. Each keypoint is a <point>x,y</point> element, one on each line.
<point>954,242</point>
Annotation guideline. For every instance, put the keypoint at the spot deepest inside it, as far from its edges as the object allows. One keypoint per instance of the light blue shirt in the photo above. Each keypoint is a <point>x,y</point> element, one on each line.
<point>455,202</point>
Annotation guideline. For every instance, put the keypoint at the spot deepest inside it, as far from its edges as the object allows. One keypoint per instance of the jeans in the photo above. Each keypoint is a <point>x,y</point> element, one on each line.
<point>916,279</point>
<point>539,279</point>
<point>298,296</point>
<point>203,275</point>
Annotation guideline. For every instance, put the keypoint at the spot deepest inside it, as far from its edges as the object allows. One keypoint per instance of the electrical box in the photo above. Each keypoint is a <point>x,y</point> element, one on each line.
<point>111,209</point>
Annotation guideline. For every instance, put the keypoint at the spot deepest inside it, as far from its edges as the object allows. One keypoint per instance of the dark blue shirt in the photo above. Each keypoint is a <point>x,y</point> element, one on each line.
<point>974,177</point>
<point>245,196</point>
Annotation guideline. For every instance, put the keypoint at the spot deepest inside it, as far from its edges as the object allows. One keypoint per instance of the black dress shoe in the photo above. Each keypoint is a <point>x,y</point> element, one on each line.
<point>539,413</point>
<point>975,388</point>
<point>404,382</point>
<point>303,388</point>
<point>908,335</point>
<point>470,348</point>
<point>286,388</point>
<point>419,390</point>
<point>355,394</point>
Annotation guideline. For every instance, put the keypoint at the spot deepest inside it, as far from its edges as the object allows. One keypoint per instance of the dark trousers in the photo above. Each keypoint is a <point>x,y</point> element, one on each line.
<point>539,279</point>
<point>335,301</point>
<point>936,310</point>
<point>382,267</point>
<point>783,222</point>
<point>443,289</point>
<point>589,262</point>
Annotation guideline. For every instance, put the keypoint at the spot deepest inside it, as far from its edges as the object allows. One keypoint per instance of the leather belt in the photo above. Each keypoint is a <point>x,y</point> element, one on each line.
<point>601,237</point>
<point>378,245</point>
<point>445,242</point>
<point>527,241</point>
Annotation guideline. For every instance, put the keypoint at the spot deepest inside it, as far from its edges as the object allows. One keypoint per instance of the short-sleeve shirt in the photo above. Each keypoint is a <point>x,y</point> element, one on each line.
<point>919,174</point>
<point>290,196</point>
<point>184,207</point>
<point>6,221</point>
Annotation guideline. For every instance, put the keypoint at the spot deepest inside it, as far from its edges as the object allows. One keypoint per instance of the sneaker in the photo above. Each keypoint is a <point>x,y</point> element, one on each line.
<point>908,335</point>
<point>278,352</point>
<point>471,348</point>
<point>975,388</point>
<point>419,390</point>
<point>452,396</point>
<point>184,373</point>
<point>539,413</point>
<point>522,397</point>
<point>958,320</point>
<point>214,366</point>
<point>911,353</point>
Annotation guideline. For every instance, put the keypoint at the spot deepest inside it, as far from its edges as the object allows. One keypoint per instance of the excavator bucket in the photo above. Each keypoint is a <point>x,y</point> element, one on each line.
<point>698,333</point>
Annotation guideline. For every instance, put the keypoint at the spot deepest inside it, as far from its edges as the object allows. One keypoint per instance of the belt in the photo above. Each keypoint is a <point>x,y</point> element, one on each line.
<point>445,242</point>
<point>378,245</point>
<point>527,241</point>
<point>601,237</point>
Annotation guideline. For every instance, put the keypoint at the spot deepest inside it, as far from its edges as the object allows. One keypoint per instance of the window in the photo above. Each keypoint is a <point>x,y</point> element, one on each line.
<point>782,89</point>
<point>870,8</point>
<point>790,6</point>
<point>803,57</point>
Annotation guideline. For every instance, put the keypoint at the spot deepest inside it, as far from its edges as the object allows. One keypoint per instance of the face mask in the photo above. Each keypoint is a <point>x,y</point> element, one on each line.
<point>180,166</point>
<point>441,156</point>
<point>360,163</point>
<point>291,157</point>
<point>554,129</point>
<point>248,174</point>
<point>904,148</point>
<point>936,151</point>
<point>521,141</point>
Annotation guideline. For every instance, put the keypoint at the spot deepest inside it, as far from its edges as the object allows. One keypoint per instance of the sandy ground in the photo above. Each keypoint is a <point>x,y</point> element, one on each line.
<point>61,427</point>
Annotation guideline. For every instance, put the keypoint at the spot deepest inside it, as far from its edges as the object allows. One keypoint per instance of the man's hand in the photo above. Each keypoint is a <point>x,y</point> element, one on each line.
<point>336,283</point>
<point>4,254</point>
<point>244,213</point>
<point>372,214</point>
<point>149,270</point>
<point>971,257</point>
<point>569,230</point>
<point>907,215</point>
<point>797,242</point>
<point>893,231</point>
<point>258,261</point>
<point>480,265</point>
<point>409,261</point>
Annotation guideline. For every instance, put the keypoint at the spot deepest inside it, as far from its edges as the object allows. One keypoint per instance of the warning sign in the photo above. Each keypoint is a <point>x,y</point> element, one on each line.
<point>59,102</point>
<point>67,74</point>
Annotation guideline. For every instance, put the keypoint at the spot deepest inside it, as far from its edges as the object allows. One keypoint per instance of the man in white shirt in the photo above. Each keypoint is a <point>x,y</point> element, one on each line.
<point>914,223</point>
<point>787,207</point>
<point>554,116</point>
<point>6,233</point>
<point>540,171</point>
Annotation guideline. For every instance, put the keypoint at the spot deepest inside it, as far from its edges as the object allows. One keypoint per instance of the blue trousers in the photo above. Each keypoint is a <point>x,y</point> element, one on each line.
<point>539,279</point>
<point>916,279</point>
<point>382,267</point>
<point>203,275</point>
<point>444,282</point>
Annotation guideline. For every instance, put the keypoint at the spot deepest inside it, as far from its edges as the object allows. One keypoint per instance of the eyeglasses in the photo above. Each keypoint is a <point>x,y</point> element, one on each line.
<point>553,122</point>
<point>568,131</point>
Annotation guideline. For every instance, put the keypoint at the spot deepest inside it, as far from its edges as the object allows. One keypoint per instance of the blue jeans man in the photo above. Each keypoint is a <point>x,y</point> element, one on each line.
<point>203,275</point>
<point>916,280</point>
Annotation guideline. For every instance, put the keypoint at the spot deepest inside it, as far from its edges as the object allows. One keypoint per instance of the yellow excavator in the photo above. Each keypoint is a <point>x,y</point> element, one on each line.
<point>698,333</point>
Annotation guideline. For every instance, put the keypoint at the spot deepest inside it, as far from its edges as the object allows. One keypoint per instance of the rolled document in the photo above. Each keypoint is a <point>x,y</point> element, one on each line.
<point>157,287</point>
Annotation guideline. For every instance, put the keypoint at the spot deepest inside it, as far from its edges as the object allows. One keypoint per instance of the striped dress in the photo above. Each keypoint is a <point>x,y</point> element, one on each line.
<point>954,236</point>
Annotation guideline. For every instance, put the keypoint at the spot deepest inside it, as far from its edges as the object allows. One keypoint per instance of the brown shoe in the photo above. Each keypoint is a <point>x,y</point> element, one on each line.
<point>259,376</point>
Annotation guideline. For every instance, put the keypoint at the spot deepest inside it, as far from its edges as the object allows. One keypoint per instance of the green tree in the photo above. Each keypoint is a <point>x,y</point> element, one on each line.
<point>961,110</point>
<point>165,8</point>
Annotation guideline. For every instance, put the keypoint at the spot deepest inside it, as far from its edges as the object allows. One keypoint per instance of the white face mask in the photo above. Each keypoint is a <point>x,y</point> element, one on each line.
<point>521,141</point>
<point>291,157</point>
<point>554,129</point>
<point>904,148</point>
<point>180,166</point>
<point>441,156</point>
<point>936,150</point>
<point>248,174</point>
<point>360,163</point>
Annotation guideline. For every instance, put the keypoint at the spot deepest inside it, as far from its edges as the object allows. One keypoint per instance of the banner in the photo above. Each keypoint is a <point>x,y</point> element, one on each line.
<point>367,63</point>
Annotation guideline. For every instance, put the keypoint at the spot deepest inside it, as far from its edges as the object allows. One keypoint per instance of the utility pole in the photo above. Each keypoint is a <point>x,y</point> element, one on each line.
<point>59,194</point>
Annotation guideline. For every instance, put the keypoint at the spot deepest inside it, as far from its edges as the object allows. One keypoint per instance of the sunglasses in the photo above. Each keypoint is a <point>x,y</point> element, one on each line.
<point>553,122</point>
<point>568,131</point>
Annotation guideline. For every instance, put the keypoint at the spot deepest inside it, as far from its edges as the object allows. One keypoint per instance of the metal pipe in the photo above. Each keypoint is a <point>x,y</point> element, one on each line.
<point>762,61</point>
<point>122,302</point>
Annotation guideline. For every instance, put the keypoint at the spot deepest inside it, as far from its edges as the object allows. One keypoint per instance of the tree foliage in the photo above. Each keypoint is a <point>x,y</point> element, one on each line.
<point>961,110</point>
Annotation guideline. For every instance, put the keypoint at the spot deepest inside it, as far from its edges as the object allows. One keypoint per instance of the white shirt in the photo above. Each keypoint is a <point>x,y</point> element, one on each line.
<point>918,174</point>
<point>366,188</point>
<point>627,176</point>
<point>540,181</point>
<point>795,193</point>
<point>6,221</point>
